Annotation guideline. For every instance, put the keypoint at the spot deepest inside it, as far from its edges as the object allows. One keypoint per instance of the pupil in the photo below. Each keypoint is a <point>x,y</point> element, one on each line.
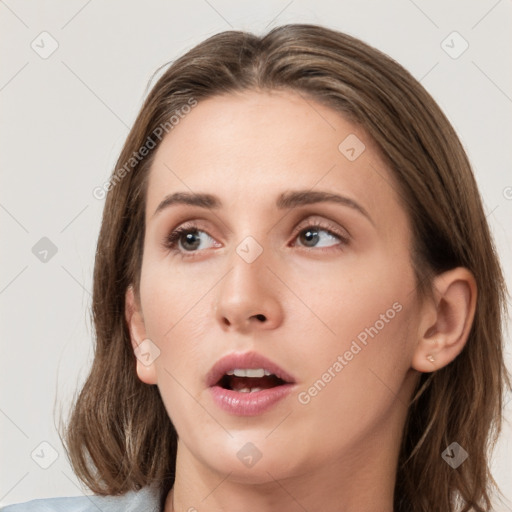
<point>311,236</point>
<point>189,238</point>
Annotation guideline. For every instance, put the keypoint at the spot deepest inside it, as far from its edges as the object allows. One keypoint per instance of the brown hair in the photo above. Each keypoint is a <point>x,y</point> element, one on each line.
<point>119,435</point>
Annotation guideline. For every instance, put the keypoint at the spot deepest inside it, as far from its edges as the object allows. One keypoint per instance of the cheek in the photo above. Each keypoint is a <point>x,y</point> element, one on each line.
<point>176,319</point>
<point>348,298</point>
<point>353,388</point>
<point>168,297</point>
<point>364,326</point>
<point>172,322</point>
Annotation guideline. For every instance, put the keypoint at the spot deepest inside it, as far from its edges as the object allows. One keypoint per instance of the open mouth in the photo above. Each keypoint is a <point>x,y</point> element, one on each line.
<point>245,384</point>
<point>248,384</point>
<point>248,372</point>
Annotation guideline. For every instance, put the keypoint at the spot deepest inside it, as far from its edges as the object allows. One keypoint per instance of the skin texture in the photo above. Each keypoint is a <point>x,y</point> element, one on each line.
<point>339,450</point>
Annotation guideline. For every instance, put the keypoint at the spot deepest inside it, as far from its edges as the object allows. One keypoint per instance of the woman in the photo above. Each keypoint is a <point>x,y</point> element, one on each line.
<point>297,300</point>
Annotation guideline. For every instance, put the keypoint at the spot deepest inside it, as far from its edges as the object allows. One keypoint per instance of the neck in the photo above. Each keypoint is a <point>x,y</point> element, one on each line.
<point>283,495</point>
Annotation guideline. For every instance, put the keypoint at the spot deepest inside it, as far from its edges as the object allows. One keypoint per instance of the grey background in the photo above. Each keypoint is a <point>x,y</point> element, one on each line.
<point>64,120</point>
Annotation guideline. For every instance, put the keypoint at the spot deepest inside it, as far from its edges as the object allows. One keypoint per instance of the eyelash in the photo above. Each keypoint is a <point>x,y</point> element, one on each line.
<point>171,240</point>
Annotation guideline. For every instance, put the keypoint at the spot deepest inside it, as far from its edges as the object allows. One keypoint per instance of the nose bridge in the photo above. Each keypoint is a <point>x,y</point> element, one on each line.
<point>250,249</point>
<point>247,277</point>
<point>248,292</point>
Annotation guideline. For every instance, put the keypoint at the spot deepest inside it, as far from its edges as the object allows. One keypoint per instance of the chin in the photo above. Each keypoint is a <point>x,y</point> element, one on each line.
<point>253,462</point>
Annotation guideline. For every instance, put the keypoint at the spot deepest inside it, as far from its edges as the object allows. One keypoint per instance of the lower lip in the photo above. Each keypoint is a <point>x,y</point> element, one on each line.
<point>249,404</point>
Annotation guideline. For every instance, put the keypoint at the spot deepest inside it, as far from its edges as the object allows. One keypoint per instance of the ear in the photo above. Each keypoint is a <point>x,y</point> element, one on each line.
<point>446,320</point>
<point>141,345</point>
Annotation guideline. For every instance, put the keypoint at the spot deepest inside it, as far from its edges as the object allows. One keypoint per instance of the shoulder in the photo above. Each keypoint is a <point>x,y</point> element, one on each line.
<point>145,500</point>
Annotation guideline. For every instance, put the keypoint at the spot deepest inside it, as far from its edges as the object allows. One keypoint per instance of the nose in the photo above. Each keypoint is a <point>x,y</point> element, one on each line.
<point>248,297</point>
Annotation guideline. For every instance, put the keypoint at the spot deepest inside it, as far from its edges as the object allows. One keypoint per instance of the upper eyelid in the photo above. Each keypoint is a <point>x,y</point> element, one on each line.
<point>323,224</point>
<point>185,215</point>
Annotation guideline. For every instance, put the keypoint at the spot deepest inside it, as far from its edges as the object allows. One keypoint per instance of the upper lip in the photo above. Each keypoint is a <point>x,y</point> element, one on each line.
<point>247,360</point>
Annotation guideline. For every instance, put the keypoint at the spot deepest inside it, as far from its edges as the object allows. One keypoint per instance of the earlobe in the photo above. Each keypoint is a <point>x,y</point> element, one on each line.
<point>449,316</point>
<point>135,321</point>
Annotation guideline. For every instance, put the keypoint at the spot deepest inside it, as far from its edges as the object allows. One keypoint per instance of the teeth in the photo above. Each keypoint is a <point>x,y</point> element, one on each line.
<point>253,372</point>
<point>249,372</point>
<point>247,390</point>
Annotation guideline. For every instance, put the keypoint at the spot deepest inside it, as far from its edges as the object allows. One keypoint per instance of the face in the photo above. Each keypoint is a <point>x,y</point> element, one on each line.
<point>323,289</point>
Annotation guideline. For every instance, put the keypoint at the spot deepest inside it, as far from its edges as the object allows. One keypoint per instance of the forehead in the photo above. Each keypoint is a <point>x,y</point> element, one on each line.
<point>249,147</point>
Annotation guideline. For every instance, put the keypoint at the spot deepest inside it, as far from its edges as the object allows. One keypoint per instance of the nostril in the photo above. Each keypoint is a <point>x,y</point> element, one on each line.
<point>262,318</point>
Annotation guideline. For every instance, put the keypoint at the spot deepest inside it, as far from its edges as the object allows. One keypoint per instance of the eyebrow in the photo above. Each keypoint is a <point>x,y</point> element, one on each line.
<point>286,200</point>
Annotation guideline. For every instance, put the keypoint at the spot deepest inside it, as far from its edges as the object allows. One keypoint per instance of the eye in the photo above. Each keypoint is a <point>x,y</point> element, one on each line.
<point>187,238</point>
<point>311,235</point>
